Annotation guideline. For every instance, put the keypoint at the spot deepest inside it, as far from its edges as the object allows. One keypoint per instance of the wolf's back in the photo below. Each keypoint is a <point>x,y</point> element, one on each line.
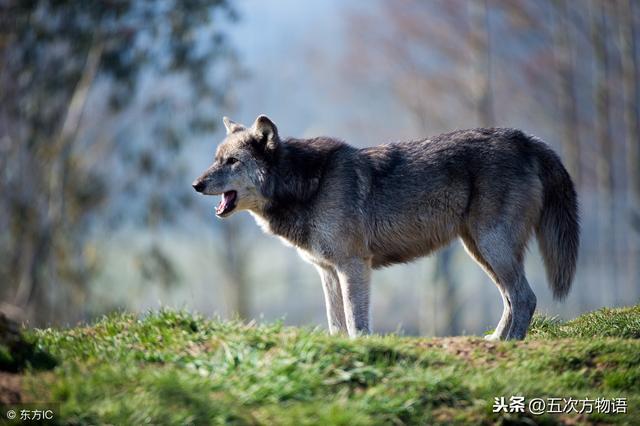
<point>558,230</point>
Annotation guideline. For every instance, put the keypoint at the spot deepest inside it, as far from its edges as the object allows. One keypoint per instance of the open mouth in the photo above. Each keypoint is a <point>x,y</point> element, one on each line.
<point>227,203</point>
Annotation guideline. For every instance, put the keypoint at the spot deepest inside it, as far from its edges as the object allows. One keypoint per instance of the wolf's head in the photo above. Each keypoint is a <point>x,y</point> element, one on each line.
<point>240,166</point>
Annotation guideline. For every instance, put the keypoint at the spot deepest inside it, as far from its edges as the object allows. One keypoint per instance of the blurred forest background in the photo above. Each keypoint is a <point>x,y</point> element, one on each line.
<point>109,109</point>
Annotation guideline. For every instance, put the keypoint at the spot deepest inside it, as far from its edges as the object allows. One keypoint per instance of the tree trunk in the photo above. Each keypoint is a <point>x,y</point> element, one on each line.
<point>604,170</point>
<point>480,44</point>
<point>567,102</point>
<point>444,275</point>
<point>238,285</point>
<point>631,89</point>
<point>45,226</point>
<point>568,107</point>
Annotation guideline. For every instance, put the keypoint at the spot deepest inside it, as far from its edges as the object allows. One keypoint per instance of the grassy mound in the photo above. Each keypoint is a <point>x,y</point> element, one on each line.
<point>18,351</point>
<point>177,368</point>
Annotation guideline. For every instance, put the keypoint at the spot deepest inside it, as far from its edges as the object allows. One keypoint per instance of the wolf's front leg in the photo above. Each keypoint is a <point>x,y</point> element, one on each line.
<point>332,299</point>
<point>354,276</point>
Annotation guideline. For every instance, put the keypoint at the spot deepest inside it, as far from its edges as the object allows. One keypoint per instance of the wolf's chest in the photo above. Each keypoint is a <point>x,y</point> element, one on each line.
<point>314,257</point>
<point>292,232</point>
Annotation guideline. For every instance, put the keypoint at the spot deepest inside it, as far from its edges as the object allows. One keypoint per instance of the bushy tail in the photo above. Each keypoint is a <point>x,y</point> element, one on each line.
<point>558,231</point>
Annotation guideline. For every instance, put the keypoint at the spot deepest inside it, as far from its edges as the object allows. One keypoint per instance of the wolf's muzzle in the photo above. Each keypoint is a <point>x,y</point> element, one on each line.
<point>198,185</point>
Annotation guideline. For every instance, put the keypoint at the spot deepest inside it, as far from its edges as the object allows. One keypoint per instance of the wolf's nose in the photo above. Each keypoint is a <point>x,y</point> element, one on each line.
<point>198,185</point>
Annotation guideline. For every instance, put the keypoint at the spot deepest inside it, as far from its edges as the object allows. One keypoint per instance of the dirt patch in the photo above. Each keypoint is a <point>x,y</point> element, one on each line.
<point>471,349</point>
<point>10,388</point>
<point>480,352</point>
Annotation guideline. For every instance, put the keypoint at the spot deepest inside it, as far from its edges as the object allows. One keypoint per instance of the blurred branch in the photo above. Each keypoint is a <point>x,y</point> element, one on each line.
<point>70,125</point>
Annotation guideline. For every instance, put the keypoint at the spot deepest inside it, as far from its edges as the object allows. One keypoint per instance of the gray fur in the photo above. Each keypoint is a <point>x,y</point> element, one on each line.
<point>350,210</point>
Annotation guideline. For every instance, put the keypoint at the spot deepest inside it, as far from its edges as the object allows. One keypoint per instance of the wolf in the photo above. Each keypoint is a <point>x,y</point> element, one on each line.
<point>351,210</point>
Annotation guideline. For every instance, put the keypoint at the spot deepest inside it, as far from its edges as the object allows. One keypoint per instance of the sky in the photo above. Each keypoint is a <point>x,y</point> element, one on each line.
<point>292,52</point>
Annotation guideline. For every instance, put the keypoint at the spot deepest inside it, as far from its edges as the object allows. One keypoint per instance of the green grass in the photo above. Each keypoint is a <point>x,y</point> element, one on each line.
<point>173,367</point>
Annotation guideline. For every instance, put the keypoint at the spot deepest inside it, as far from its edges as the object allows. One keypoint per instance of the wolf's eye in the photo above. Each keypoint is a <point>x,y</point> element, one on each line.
<point>232,160</point>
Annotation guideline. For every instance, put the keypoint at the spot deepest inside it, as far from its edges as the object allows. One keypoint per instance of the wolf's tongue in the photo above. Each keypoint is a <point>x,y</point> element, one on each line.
<point>226,201</point>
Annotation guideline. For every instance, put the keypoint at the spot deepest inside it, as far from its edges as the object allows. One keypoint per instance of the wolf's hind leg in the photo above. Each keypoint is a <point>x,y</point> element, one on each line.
<point>332,299</point>
<point>505,255</point>
<point>524,305</point>
<point>354,277</point>
<point>502,329</point>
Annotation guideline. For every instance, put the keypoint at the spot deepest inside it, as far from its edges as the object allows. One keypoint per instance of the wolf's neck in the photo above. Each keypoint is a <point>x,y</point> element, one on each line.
<point>296,172</point>
<point>288,222</point>
<point>292,186</point>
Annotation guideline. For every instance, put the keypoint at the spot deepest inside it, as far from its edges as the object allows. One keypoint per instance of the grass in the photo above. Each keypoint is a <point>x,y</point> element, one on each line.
<point>172,367</point>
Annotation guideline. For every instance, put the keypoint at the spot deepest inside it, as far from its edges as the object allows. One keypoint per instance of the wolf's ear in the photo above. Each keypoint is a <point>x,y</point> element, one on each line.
<point>231,125</point>
<point>266,131</point>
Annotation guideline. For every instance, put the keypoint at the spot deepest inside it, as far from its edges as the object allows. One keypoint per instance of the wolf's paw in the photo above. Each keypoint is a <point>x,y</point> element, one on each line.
<point>492,337</point>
